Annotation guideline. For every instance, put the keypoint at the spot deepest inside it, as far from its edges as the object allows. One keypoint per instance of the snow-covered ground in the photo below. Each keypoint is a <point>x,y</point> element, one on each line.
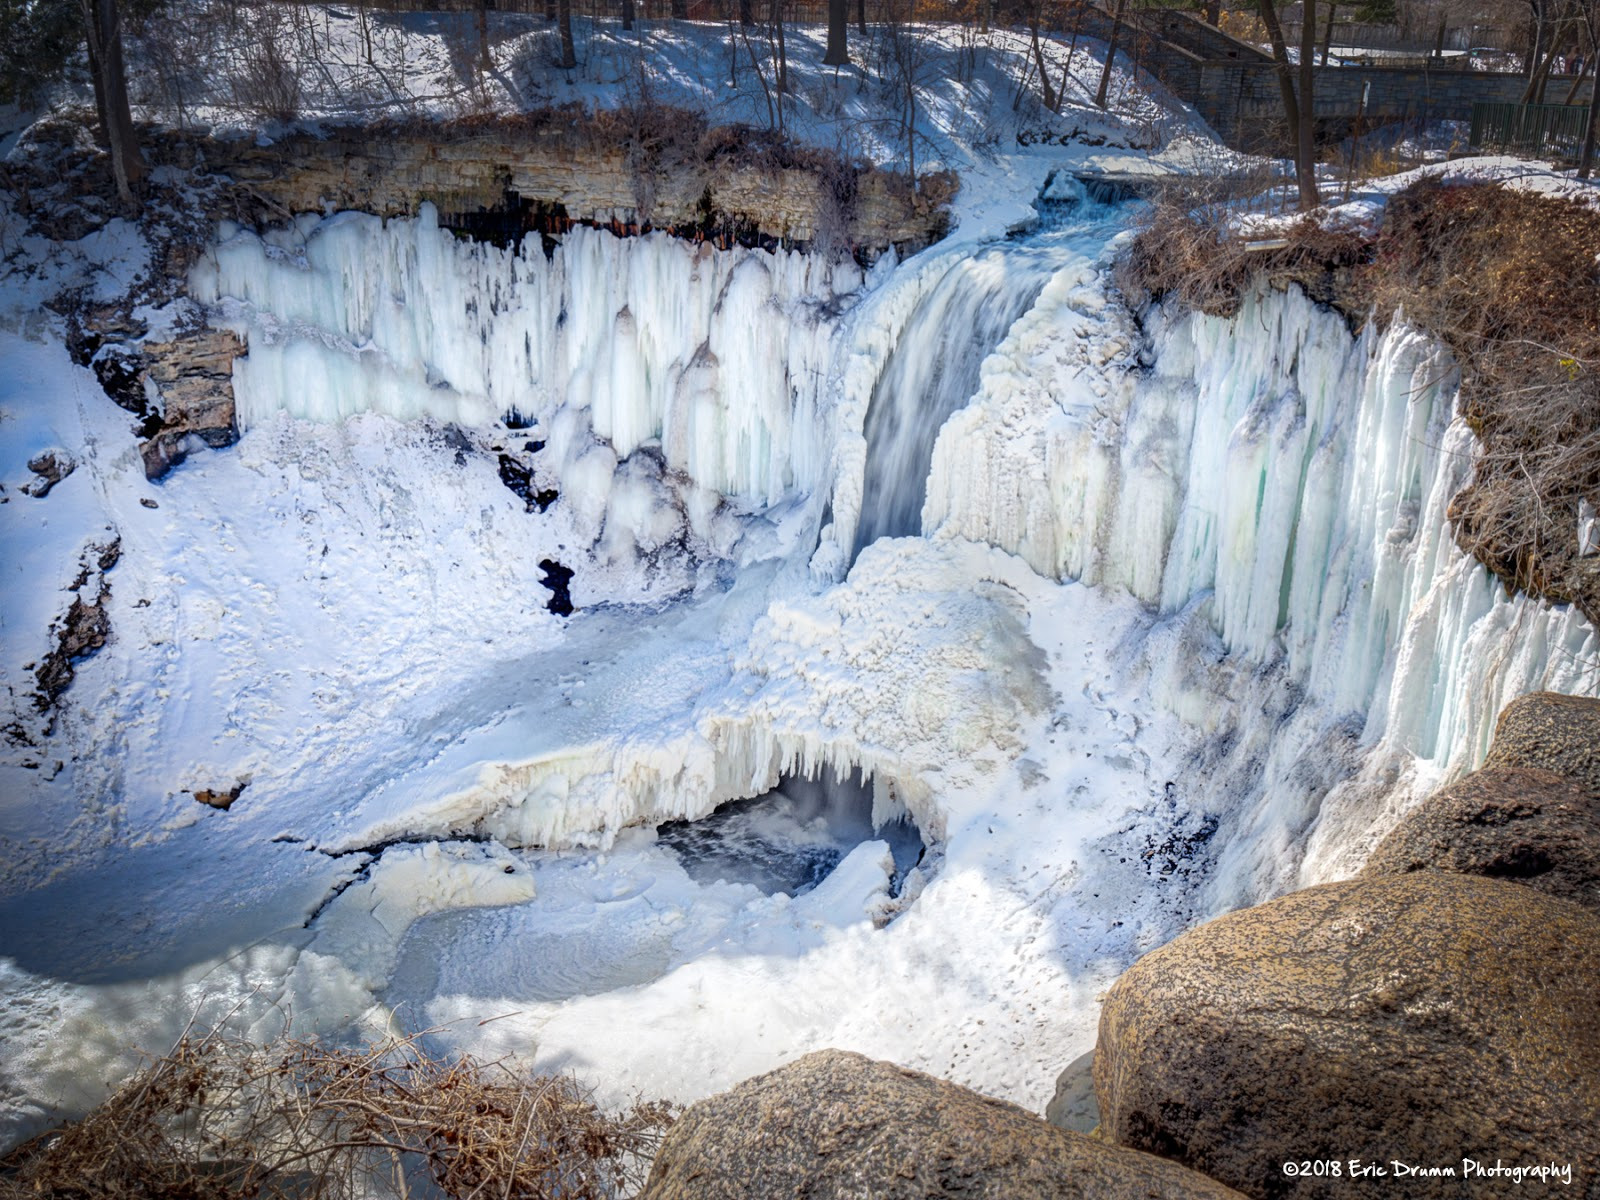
<point>1180,627</point>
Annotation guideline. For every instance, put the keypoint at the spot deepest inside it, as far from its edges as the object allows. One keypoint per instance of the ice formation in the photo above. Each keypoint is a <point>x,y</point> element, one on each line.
<point>1292,482</point>
<point>1269,480</point>
<point>608,344</point>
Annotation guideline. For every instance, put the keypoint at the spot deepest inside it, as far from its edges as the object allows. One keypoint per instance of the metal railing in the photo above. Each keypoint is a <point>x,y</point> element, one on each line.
<point>1539,129</point>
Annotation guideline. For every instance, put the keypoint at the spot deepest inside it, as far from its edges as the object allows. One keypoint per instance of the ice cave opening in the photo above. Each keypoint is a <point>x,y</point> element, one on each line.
<point>791,838</point>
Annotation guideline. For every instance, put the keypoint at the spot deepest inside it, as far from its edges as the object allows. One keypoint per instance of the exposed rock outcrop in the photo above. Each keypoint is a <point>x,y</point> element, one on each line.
<point>193,374</point>
<point>835,1125</point>
<point>1517,823</point>
<point>82,630</point>
<point>49,469</point>
<point>1551,731</point>
<point>655,166</point>
<point>1427,1018</point>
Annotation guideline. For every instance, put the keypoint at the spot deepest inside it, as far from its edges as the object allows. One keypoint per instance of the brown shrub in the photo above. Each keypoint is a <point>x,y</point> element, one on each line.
<point>1189,257</point>
<point>219,1118</point>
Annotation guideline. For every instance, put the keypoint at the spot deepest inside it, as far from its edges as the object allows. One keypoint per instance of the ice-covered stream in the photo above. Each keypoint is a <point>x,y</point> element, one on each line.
<point>1128,625</point>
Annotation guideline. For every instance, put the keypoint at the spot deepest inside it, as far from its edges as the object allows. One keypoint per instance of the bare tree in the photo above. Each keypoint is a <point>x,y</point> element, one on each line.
<point>1305,158</point>
<point>1590,14</point>
<point>569,52</point>
<point>1046,92</point>
<point>782,75</point>
<point>838,54</point>
<point>1111,53</point>
<point>104,31</point>
<point>1298,115</point>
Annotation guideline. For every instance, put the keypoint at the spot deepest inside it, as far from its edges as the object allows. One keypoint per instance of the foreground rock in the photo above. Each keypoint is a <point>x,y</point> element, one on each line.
<point>1551,731</point>
<point>834,1125</point>
<point>1521,824</point>
<point>1073,1106</point>
<point>1427,1018</point>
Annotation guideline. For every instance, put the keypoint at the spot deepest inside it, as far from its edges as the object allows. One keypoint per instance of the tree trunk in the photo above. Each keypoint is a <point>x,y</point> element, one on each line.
<point>861,17</point>
<point>1214,12</point>
<point>1305,164</point>
<point>1535,50</point>
<point>485,62</point>
<point>747,13</point>
<point>680,10</point>
<point>104,33</point>
<point>569,52</point>
<point>1327,33</point>
<point>1586,159</point>
<point>1111,54</point>
<point>838,54</point>
<point>1072,48</point>
<point>1046,92</point>
<point>783,58</point>
<point>1280,56</point>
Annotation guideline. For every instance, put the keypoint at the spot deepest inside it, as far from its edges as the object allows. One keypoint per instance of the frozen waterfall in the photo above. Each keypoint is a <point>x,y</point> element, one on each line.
<point>934,371</point>
<point>1047,636</point>
<point>1287,486</point>
<point>609,344</point>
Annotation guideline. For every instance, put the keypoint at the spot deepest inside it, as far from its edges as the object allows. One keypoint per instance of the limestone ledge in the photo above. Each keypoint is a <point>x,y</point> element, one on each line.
<point>393,174</point>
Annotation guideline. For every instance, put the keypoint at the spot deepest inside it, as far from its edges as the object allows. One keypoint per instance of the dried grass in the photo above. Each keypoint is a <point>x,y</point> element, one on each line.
<point>220,1118</point>
<point>1183,250</point>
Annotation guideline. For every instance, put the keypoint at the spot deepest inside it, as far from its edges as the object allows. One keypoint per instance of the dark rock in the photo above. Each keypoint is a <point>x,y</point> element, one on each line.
<point>1073,1106</point>
<point>51,468</point>
<point>219,798</point>
<point>518,477</point>
<point>835,1125</point>
<point>86,629</point>
<point>1522,824</point>
<point>559,580</point>
<point>1427,1018</point>
<point>1555,732</point>
<point>121,375</point>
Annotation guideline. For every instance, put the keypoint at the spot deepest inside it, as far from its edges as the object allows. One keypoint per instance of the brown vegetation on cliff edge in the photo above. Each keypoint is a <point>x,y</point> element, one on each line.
<point>1509,280</point>
<point>221,1118</point>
